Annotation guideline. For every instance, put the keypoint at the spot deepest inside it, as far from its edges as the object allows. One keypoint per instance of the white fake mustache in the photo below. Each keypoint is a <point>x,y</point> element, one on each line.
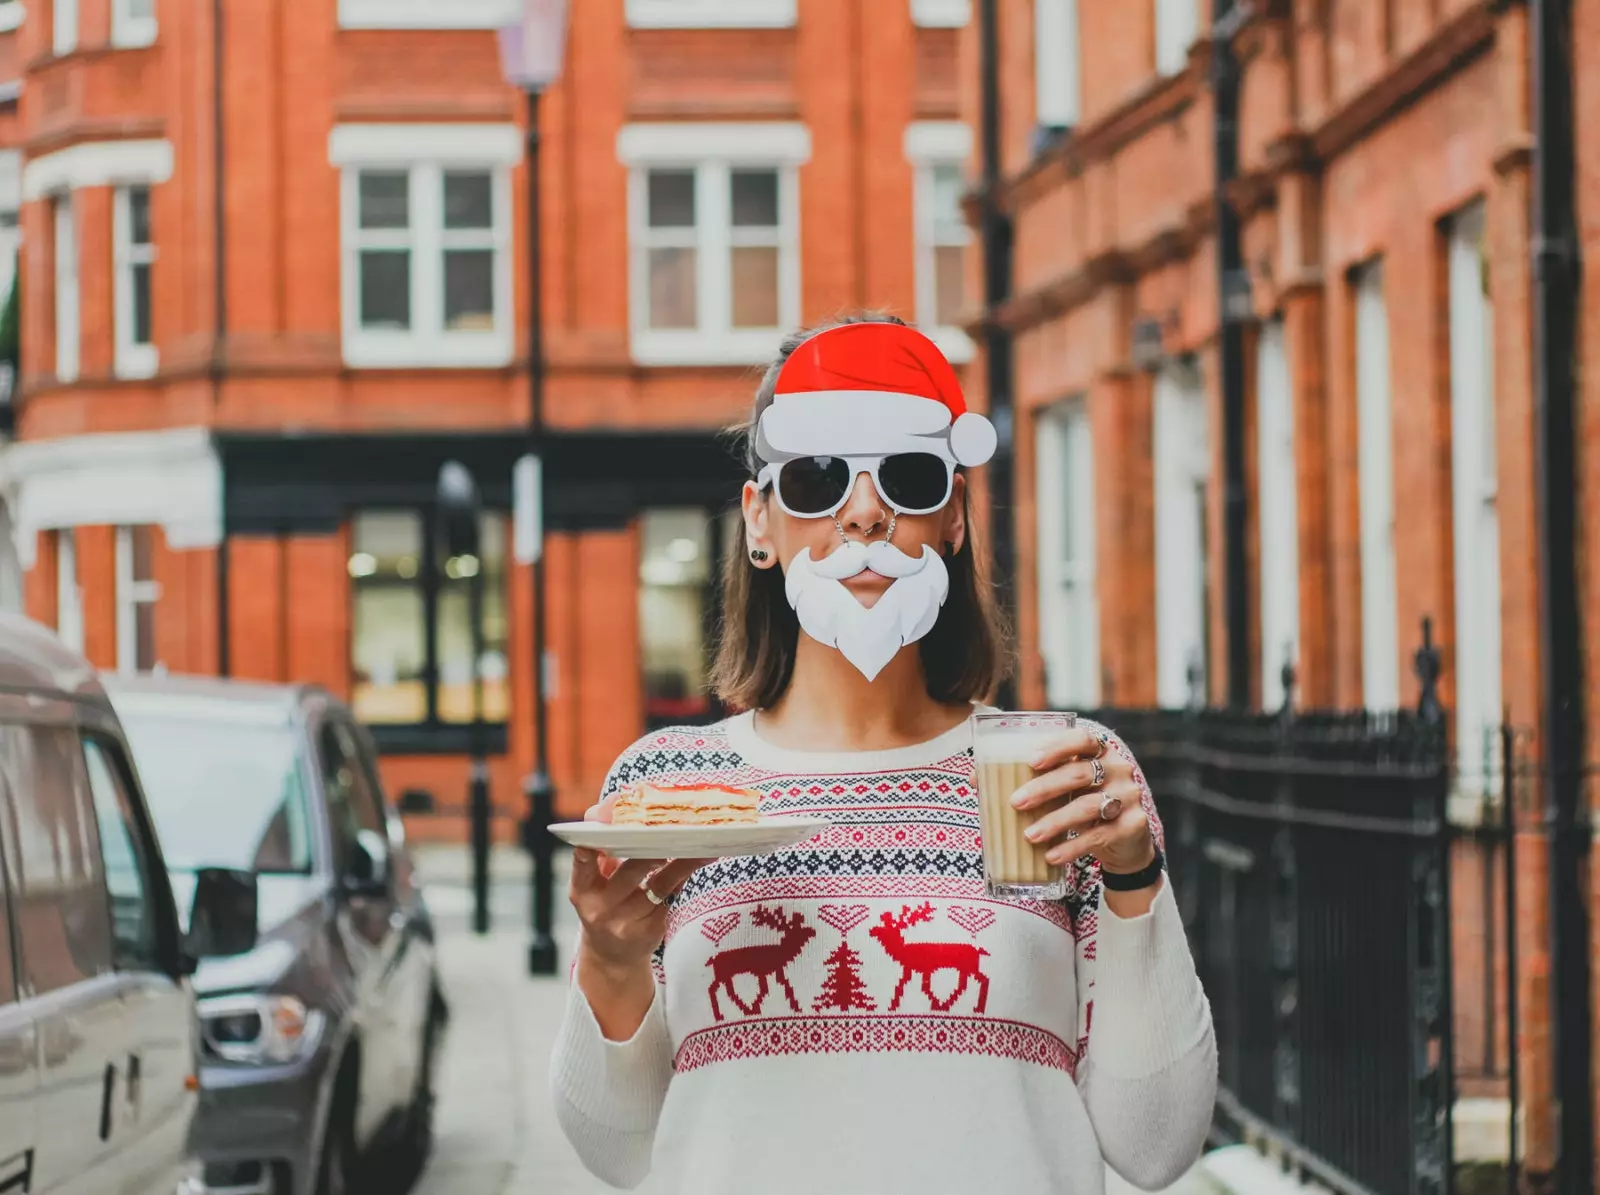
<point>854,557</point>
<point>868,637</point>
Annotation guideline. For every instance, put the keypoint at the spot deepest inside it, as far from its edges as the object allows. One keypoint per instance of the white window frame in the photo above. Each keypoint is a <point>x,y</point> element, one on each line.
<point>1069,605</point>
<point>426,153</point>
<point>69,593</point>
<point>130,31</point>
<point>711,14</point>
<point>1177,29</point>
<point>1278,502</point>
<point>130,595</point>
<point>1475,515</point>
<point>11,207</point>
<point>63,26</point>
<point>1057,66</point>
<point>69,316</point>
<point>1182,467</point>
<point>931,144</point>
<point>1380,630</point>
<point>427,14</point>
<point>941,14</point>
<point>133,359</point>
<point>12,15</point>
<point>713,152</point>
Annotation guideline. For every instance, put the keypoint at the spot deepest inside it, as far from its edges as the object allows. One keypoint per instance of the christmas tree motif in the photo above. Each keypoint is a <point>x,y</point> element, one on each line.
<point>843,988</point>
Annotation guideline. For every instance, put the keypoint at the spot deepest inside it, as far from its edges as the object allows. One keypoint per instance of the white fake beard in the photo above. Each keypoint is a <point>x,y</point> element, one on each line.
<point>868,637</point>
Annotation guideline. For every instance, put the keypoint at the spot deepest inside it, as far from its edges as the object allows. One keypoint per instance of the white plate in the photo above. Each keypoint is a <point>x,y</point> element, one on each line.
<point>690,842</point>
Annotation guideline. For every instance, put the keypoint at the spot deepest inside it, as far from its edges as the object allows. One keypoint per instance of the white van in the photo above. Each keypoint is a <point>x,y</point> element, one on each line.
<point>99,1050</point>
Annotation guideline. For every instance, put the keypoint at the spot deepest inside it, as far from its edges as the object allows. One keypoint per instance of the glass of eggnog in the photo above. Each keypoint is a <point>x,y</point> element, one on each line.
<point>1003,746</point>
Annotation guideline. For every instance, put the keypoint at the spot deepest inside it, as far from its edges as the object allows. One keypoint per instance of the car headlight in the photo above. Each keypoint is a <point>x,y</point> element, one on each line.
<point>259,1028</point>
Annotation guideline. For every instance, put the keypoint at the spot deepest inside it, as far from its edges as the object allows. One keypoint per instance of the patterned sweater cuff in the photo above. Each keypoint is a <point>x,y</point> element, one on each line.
<point>1149,1008</point>
<point>621,1085</point>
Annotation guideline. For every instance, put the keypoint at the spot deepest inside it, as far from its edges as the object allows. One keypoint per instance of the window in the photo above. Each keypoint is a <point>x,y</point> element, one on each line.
<point>1278,504</point>
<point>411,626</point>
<point>67,336</point>
<point>10,216</point>
<point>427,265</point>
<point>711,14</point>
<point>69,594</point>
<point>126,859</point>
<point>1380,633</point>
<point>675,572</point>
<point>427,14</point>
<point>1056,67</point>
<point>64,26</point>
<point>942,240</point>
<point>137,592</point>
<point>63,921</point>
<point>1177,27</point>
<point>1182,476</point>
<point>1069,609</point>
<point>133,23</point>
<point>715,262</point>
<point>353,804</point>
<point>1475,481</point>
<point>135,258</point>
<point>941,14</point>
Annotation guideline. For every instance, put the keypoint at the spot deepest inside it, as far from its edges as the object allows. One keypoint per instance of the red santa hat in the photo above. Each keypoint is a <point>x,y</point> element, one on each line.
<point>868,389</point>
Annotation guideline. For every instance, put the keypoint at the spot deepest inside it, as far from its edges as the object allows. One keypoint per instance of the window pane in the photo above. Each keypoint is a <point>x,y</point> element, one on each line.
<point>949,272</point>
<point>139,215</point>
<point>385,199</point>
<point>352,805</point>
<point>133,929</point>
<point>63,919</point>
<point>947,188</point>
<point>755,198</point>
<point>388,631</point>
<point>673,289</point>
<point>456,695</point>
<point>139,9</point>
<point>386,289</point>
<point>755,288</point>
<point>672,199</point>
<point>469,290</point>
<point>468,200</point>
<point>674,575</point>
<point>141,304</point>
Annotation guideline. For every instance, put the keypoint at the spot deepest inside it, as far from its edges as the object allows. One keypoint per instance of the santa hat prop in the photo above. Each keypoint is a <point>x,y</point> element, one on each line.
<point>864,389</point>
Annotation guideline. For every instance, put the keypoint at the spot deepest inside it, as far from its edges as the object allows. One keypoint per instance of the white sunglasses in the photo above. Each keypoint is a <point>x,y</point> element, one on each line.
<point>817,487</point>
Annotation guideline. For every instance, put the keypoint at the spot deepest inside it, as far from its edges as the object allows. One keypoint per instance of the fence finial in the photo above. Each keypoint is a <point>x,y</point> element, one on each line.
<point>1427,664</point>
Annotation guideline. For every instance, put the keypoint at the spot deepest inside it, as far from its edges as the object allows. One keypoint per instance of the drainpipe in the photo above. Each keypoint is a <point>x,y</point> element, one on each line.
<point>1556,298</point>
<point>996,234</point>
<point>220,304</point>
<point>1232,311</point>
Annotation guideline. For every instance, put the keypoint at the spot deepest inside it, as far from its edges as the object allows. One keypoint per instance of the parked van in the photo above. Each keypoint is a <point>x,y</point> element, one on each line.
<point>99,1042</point>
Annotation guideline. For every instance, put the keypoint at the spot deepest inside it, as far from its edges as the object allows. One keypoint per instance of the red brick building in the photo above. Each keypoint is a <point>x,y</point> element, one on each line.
<point>1385,291</point>
<point>275,275</point>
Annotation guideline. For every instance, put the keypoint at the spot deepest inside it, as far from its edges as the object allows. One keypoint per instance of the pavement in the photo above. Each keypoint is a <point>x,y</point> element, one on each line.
<point>496,1130</point>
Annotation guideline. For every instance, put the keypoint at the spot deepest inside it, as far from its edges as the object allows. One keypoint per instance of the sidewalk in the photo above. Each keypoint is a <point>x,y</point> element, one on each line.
<point>496,1131</point>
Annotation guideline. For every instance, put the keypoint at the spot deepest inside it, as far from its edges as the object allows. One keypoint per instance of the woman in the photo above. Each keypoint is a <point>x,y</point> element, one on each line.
<point>855,1014</point>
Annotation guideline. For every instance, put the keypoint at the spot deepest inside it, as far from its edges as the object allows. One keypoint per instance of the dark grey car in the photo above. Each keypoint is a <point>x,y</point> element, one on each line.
<point>319,1045</point>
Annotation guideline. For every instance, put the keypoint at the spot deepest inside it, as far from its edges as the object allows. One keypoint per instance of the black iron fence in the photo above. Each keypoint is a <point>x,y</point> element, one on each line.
<point>1310,855</point>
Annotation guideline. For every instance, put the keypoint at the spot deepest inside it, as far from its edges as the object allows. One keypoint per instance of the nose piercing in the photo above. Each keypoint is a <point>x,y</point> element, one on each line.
<point>887,535</point>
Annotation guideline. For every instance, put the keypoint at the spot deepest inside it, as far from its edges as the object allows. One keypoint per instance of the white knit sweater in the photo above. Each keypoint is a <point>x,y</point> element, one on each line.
<point>902,1032</point>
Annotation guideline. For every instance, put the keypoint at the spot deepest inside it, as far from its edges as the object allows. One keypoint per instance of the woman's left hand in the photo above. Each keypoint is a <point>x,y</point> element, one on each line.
<point>1095,803</point>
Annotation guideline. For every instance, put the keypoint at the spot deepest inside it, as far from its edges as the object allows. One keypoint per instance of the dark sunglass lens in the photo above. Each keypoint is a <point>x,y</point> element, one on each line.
<point>813,485</point>
<point>914,480</point>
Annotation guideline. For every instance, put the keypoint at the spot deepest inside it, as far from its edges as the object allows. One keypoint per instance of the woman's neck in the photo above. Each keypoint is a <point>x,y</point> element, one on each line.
<point>830,706</point>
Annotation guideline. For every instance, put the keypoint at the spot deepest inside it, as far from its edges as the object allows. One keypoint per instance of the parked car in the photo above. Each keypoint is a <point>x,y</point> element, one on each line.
<point>99,1044</point>
<point>319,1045</point>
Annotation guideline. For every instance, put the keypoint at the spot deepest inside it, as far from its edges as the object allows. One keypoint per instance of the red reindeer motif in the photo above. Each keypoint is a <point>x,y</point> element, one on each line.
<point>929,958</point>
<point>766,962</point>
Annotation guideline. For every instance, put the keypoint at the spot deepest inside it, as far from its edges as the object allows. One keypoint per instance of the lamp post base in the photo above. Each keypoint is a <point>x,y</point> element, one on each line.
<point>542,955</point>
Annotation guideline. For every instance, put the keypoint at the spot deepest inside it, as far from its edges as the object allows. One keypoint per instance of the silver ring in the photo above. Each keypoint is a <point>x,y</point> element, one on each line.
<point>1071,834</point>
<point>653,898</point>
<point>1098,780</point>
<point>1110,808</point>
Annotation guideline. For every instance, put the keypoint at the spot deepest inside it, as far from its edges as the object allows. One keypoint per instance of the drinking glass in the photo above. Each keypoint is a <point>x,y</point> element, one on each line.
<point>1003,744</point>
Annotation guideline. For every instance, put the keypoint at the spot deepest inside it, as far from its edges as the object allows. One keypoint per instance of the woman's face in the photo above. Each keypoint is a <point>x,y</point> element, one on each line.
<point>865,518</point>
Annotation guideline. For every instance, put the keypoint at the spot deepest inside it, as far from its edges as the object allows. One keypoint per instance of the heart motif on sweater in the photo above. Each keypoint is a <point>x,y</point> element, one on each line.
<point>843,918</point>
<point>974,921</point>
<point>718,928</point>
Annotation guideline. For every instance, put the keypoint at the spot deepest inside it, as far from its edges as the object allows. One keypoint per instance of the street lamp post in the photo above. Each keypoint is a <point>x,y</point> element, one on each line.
<point>531,52</point>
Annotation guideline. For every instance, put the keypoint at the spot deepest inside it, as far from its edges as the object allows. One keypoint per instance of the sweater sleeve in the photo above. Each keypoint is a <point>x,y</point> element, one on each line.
<point>608,1095</point>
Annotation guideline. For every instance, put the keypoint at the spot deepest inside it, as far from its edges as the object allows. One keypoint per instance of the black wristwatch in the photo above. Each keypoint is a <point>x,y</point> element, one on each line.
<point>1132,881</point>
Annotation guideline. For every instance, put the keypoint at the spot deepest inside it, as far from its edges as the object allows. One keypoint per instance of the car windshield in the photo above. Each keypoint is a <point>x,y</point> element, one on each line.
<point>223,793</point>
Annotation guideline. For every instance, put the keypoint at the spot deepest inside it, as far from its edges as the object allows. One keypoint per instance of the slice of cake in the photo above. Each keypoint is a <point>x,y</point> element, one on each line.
<point>693,805</point>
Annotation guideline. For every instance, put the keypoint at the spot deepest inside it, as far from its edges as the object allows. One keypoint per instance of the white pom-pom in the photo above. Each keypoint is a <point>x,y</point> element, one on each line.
<point>972,440</point>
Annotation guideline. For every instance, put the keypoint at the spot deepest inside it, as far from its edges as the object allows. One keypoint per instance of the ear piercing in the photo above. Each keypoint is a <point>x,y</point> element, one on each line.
<point>757,555</point>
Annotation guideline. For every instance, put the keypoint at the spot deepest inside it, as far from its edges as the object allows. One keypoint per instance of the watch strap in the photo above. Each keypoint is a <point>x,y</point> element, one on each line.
<point>1132,881</point>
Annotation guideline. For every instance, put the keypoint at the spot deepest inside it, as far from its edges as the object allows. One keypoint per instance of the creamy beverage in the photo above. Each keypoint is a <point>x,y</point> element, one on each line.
<point>1003,745</point>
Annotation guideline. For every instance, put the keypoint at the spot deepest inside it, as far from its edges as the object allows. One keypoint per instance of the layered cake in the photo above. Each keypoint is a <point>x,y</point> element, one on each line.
<point>697,805</point>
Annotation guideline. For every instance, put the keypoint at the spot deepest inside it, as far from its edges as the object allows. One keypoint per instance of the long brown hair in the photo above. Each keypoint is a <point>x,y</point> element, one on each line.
<point>962,657</point>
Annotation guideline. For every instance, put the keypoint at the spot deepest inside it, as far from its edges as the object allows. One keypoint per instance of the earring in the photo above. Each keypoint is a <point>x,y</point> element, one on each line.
<point>757,555</point>
<point>949,548</point>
